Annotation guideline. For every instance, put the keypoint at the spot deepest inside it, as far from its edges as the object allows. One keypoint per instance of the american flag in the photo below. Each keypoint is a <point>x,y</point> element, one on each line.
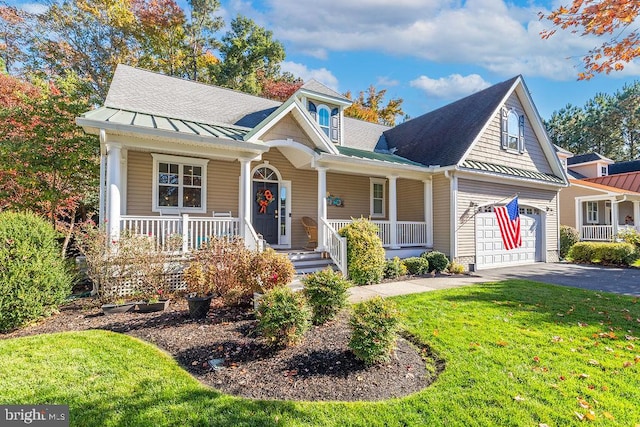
<point>509,223</point>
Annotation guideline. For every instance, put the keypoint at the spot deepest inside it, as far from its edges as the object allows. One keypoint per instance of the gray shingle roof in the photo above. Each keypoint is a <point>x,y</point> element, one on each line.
<point>442,136</point>
<point>133,89</point>
<point>574,174</point>
<point>624,167</point>
<point>584,158</point>
<point>315,86</point>
<point>508,170</point>
<point>364,135</point>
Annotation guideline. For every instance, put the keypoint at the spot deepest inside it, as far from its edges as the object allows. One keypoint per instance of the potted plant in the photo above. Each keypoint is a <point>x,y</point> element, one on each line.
<point>156,302</point>
<point>198,291</point>
<point>118,306</point>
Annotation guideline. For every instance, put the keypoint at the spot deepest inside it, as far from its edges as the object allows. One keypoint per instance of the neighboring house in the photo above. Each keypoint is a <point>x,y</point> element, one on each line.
<point>600,201</point>
<point>180,157</point>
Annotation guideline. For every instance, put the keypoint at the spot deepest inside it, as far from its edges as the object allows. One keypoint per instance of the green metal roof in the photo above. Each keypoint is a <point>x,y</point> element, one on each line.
<point>114,115</point>
<point>371,155</point>
<point>508,170</point>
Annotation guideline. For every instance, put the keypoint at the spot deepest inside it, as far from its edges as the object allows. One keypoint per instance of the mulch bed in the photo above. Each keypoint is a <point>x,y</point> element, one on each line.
<point>321,367</point>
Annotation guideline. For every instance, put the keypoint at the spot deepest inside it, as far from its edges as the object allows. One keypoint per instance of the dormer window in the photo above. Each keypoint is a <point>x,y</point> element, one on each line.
<point>324,118</point>
<point>604,170</point>
<point>327,119</point>
<point>512,131</point>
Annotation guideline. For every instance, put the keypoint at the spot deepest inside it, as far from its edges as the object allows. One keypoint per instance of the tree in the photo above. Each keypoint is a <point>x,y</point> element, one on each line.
<point>627,113</point>
<point>610,19</point>
<point>371,110</point>
<point>280,88</point>
<point>250,56</point>
<point>201,41</point>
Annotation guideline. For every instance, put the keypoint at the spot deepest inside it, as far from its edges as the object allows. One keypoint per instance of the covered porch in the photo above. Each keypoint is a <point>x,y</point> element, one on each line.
<point>601,219</point>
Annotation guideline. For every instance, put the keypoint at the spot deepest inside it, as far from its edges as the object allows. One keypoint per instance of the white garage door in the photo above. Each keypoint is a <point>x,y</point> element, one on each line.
<point>490,251</point>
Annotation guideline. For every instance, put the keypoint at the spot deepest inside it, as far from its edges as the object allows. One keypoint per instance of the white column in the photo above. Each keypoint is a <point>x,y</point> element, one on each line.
<point>393,211</point>
<point>579,218</point>
<point>244,204</point>
<point>186,234</point>
<point>113,190</point>
<point>428,209</point>
<point>322,206</point>
<point>636,215</point>
<point>615,221</point>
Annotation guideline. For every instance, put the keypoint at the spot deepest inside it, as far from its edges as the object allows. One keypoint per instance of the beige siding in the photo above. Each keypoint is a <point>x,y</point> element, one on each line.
<point>590,170</point>
<point>410,200</point>
<point>568,203</point>
<point>354,190</point>
<point>222,185</point>
<point>481,193</point>
<point>286,128</point>
<point>487,148</point>
<point>304,190</point>
<point>441,214</point>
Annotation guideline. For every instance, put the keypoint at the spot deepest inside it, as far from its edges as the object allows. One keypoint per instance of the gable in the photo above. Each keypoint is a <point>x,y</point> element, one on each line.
<point>289,128</point>
<point>488,147</point>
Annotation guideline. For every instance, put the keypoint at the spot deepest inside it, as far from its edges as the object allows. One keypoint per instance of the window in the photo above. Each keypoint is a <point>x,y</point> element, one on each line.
<point>512,131</point>
<point>604,170</point>
<point>179,184</point>
<point>592,212</point>
<point>378,197</point>
<point>326,118</point>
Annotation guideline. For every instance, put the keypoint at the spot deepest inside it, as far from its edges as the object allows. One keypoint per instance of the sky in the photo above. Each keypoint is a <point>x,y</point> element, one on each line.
<point>428,52</point>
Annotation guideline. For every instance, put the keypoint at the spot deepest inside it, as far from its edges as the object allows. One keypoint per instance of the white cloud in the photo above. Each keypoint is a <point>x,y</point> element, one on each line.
<point>34,8</point>
<point>387,81</point>
<point>450,87</point>
<point>322,75</point>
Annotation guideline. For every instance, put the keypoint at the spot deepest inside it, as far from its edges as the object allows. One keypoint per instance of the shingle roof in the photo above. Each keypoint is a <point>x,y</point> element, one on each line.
<point>626,181</point>
<point>442,136</point>
<point>624,167</point>
<point>508,170</point>
<point>364,135</point>
<point>133,89</point>
<point>574,174</point>
<point>584,158</point>
<point>124,117</point>
<point>315,86</point>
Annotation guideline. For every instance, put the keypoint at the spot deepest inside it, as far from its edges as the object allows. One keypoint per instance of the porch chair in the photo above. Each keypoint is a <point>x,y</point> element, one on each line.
<point>311,228</point>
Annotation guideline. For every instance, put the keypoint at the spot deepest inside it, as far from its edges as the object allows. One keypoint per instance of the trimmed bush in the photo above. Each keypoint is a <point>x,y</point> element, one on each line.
<point>569,236</point>
<point>603,253</point>
<point>365,254</point>
<point>437,261</point>
<point>283,316</point>
<point>394,268</point>
<point>416,265</point>
<point>374,324</point>
<point>326,293</point>
<point>455,268</point>
<point>34,278</point>
<point>269,269</point>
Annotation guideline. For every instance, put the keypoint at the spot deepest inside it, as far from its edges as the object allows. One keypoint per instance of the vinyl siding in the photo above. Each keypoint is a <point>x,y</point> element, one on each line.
<point>410,200</point>
<point>441,215</point>
<point>288,128</point>
<point>590,170</point>
<point>354,190</point>
<point>568,203</point>
<point>481,193</point>
<point>487,149</point>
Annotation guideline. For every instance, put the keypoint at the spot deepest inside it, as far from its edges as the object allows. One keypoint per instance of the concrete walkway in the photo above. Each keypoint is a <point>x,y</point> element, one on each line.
<point>608,279</point>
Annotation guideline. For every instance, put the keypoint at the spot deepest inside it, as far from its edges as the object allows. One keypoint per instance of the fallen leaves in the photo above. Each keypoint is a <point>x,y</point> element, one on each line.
<point>518,398</point>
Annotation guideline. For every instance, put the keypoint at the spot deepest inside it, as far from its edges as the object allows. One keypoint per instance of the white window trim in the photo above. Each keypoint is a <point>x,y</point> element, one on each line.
<point>383,182</point>
<point>182,161</point>
<point>595,211</point>
<point>324,107</point>
<point>604,170</point>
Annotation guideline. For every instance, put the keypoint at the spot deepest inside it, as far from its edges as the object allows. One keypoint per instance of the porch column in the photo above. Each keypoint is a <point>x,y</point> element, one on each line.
<point>393,211</point>
<point>636,214</point>
<point>322,206</point>
<point>615,221</point>
<point>113,190</point>
<point>244,203</point>
<point>579,219</point>
<point>428,209</point>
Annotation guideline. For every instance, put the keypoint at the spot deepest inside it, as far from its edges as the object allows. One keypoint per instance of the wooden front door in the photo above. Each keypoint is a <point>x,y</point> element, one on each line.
<point>265,210</point>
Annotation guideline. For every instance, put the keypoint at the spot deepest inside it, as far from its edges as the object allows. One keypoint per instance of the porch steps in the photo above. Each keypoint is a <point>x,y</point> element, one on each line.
<point>306,262</point>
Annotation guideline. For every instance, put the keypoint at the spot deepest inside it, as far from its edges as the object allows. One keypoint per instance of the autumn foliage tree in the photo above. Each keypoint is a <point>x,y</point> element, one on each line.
<point>369,107</point>
<point>610,19</point>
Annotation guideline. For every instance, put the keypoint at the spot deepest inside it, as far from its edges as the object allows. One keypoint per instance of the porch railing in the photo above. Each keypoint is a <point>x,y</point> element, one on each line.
<point>408,233</point>
<point>254,241</point>
<point>335,245</point>
<point>596,232</point>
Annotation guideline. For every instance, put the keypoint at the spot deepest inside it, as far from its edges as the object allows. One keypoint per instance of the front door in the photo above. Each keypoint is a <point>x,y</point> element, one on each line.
<point>265,210</point>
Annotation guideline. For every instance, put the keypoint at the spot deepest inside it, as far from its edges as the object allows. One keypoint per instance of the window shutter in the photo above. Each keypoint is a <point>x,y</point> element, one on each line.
<point>521,134</point>
<point>504,127</point>
<point>335,123</point>
<point>313,110</point>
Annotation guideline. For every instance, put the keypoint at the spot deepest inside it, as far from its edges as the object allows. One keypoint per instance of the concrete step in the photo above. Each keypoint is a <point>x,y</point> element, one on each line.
<point>307,262</point>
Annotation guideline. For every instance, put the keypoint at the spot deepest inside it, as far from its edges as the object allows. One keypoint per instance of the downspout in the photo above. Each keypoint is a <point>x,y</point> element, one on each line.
<point>453,210</point>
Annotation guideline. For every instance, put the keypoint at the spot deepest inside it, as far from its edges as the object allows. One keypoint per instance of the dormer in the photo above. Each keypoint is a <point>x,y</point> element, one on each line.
<point>326,108</point>
<point>590,165</point>
<point>563,156</point>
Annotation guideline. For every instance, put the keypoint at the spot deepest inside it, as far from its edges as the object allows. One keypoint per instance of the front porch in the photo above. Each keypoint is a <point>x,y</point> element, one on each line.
<point>601,219</point>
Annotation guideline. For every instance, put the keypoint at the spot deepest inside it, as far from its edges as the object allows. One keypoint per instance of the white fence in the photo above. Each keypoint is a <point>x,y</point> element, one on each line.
<point>335,245</point>
<point>408,233</point>
<point>596,232</point>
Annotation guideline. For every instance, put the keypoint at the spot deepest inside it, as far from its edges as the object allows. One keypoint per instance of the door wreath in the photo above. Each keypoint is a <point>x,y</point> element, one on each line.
<point>264,197</point>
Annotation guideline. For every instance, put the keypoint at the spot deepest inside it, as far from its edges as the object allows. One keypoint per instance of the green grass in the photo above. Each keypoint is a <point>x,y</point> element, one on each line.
<point>500,341</point>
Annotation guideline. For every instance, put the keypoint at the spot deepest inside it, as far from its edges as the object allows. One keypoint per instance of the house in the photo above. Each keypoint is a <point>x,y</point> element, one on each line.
<point>191,160</point>
<point>603,197</point>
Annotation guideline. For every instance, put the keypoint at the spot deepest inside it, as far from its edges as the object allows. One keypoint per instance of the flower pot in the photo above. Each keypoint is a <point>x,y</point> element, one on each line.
<point>199,307</point>
<point>109,309</point>
<point>257,298</point>
<point>148,307</point>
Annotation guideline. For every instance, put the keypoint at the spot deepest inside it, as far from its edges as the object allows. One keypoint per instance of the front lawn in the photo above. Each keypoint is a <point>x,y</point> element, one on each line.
<point>516,352</point>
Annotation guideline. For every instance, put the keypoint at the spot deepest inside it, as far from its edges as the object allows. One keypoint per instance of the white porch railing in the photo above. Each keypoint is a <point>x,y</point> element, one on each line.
<point>335,245</point>
<point>596,232</point>
<point>253,240</point>
<point>409,233</point>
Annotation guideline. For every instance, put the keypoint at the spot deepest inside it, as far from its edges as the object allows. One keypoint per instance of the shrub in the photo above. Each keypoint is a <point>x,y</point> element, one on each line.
<point>326,293</point>
<point>394,268</point>
<point>269,269</point>
<point>603,253</point>
<point>374,324</point>
<point>416,265</point>
<point>283,316</point>
<point>437,261</point>
<point>34,278</point>
<point>365,254</point>
<point>455,268</point>
<point>630,235</point>
<point>569,236</point>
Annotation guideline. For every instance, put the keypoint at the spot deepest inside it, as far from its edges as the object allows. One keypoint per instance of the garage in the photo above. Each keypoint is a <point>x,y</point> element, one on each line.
<point>490,251</point>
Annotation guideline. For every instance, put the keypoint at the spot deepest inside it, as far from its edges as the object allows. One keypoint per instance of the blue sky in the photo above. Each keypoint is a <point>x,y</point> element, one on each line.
<point>428,52</point>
